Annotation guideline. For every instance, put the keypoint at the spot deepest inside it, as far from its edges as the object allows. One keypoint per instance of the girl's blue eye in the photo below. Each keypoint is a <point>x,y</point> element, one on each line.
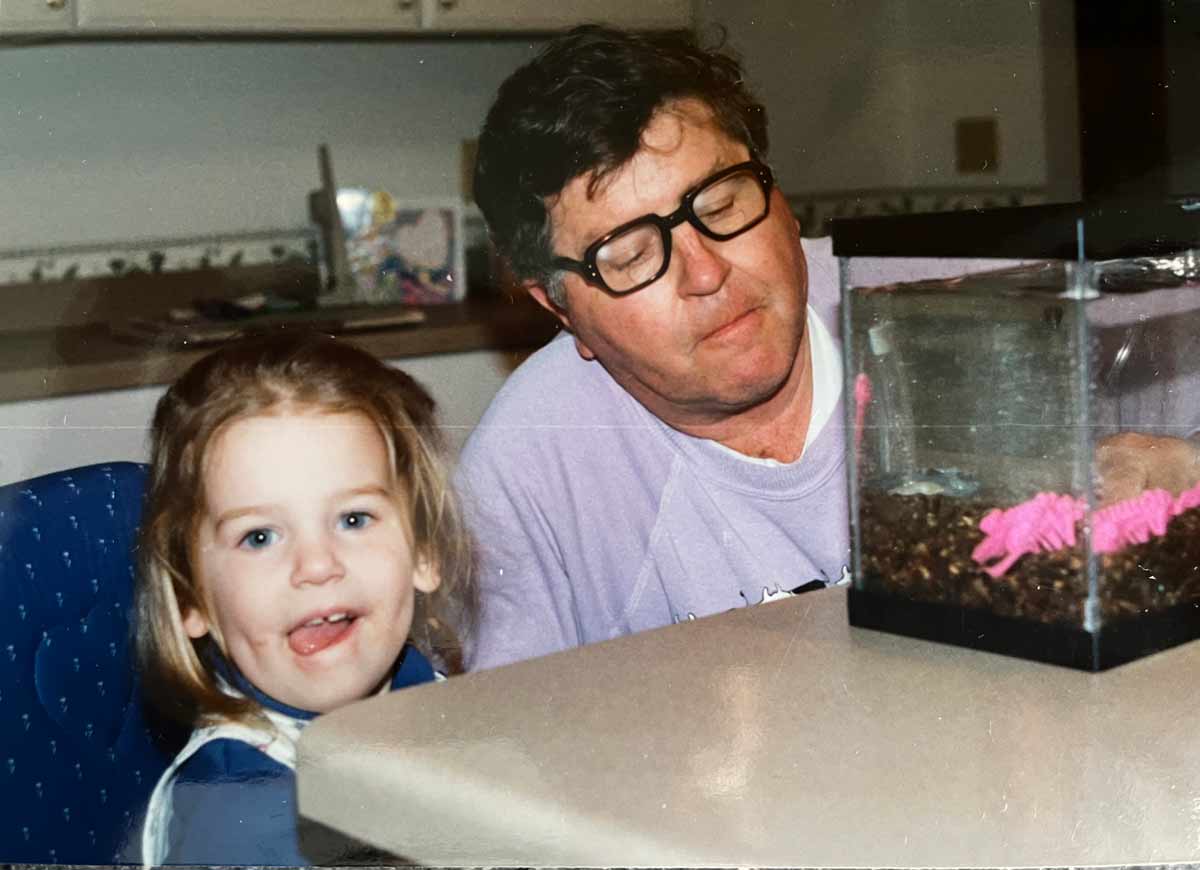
<point>258,539</point>
<point>356,520</point>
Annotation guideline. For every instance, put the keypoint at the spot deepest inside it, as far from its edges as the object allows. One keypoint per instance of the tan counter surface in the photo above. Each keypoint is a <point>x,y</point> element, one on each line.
<point>774,735</point>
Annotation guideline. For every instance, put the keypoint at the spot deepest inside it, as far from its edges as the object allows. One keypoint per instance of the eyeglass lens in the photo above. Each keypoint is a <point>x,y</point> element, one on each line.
<point>724,208</point>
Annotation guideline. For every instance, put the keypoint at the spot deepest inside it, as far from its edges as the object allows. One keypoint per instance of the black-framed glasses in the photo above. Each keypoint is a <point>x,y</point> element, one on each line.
<point>638,253</point>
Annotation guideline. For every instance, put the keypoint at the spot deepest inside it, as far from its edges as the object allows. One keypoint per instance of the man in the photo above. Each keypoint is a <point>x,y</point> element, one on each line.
<point>678,451</point>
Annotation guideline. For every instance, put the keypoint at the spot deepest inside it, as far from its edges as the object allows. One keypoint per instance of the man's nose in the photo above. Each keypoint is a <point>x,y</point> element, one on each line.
<point>702,268</point>
<point>316,560</point>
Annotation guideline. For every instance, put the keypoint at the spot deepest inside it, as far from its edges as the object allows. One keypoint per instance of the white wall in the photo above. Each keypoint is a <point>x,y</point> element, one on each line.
<point>125,140</point>
<point>120,140</point>
<point>864,93</point>
<point>38,437</point>
<point>128,140</point>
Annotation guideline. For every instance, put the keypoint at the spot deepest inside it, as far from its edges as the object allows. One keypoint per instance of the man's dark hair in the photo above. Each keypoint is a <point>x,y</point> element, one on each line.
<point>581,106</point>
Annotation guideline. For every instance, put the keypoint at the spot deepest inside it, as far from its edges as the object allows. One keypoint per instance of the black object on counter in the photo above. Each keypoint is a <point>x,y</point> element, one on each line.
<point>1067,231</point>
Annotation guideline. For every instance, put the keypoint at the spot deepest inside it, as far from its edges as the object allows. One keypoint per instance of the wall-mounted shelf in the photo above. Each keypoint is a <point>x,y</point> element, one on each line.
<point>85,358</point>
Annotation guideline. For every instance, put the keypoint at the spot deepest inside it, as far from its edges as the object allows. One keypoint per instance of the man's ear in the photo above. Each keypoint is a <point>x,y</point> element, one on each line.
<point>538,292</point>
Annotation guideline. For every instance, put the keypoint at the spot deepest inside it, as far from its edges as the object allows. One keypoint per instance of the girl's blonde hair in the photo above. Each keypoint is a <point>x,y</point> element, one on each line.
<point>256,376</point>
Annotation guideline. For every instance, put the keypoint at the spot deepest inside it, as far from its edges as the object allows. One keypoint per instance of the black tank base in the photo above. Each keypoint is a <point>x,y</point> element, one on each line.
<point>1070,646</point>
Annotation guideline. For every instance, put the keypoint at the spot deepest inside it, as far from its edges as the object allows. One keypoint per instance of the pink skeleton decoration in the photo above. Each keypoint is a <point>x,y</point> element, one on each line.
<point>1047,522</point>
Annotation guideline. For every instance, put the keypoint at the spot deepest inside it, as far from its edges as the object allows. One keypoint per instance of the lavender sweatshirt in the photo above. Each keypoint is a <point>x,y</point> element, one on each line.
<point>595,519</point>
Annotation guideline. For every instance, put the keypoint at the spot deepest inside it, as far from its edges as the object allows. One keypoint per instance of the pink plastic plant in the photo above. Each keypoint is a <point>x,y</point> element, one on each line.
<point>862,398</point>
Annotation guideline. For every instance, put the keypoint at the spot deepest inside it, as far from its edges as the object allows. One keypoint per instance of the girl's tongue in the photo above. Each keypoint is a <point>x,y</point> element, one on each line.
<point>309,639</point>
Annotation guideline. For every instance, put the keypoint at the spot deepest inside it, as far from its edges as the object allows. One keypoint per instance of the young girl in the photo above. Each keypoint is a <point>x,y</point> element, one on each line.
<point>301,549</point>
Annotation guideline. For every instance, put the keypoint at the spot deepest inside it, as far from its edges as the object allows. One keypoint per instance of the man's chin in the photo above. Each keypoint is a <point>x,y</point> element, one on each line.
<point>753,388</point>
<point>731,399</point>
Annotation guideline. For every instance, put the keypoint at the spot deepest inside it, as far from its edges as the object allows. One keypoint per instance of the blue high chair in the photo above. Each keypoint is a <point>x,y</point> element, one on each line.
<point>79,755</point>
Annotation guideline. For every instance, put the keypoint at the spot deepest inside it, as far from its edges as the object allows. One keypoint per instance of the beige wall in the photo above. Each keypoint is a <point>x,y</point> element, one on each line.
<point>118,140</point>
<point>864,93</point>
<point>125,140</point>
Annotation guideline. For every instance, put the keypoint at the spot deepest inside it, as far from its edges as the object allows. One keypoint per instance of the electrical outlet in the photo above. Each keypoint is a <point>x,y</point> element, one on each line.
<point>976,145</point>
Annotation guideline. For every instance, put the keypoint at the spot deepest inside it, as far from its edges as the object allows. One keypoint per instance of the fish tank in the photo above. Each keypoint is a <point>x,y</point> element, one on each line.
<point>1022,394</point>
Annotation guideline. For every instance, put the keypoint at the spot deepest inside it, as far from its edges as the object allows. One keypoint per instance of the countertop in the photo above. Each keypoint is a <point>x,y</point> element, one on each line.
<point>46,362</point>
<point>771,735</point>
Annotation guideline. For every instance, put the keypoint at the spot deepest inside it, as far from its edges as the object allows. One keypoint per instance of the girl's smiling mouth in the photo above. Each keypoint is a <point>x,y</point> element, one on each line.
<point>320,632</point>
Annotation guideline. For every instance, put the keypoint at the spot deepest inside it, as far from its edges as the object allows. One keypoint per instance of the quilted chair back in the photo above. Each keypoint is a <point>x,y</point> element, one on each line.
<point>78,755</point>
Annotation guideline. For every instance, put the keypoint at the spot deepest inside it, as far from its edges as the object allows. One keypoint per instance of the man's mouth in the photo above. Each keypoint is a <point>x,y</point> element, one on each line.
<point>730,326</point>
<point>321,632</point>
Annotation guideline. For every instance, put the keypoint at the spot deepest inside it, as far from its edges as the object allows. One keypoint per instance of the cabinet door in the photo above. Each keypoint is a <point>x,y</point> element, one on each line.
<point>497,15</point>
<point>36,16</point>
<point>199,16</point>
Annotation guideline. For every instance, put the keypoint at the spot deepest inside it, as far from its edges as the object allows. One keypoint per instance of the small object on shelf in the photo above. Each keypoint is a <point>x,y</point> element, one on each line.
<point>337,281</point>
<point>379,249</point>
<point>403,252</point>
<point>201,330</point>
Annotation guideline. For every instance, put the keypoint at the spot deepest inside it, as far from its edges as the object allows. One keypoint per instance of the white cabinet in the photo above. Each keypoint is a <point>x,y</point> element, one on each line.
<point>515,15</point>
<point>255,16</point>
<point>299,16</point>
<point>349,16</point>
<point>36,16</point>
<point>43,435</point>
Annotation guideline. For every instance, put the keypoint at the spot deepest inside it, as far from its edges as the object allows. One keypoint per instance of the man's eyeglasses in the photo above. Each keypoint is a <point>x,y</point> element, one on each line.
<point>638,253</point>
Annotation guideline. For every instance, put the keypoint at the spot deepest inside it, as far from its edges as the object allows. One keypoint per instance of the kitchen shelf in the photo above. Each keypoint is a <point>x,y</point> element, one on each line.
<point>85,358</point>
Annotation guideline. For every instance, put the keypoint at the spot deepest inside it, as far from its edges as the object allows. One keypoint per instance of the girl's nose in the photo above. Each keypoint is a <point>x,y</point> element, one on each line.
<point>702,268</point>
<point>316,561</point>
